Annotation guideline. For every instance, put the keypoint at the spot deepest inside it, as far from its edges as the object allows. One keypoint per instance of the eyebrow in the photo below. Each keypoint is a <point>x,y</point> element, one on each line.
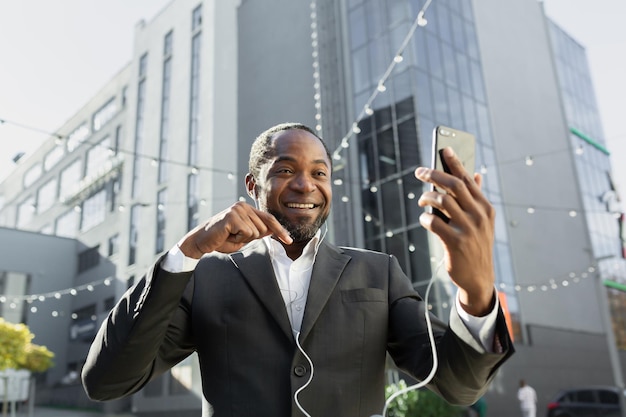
<point>291,159</point>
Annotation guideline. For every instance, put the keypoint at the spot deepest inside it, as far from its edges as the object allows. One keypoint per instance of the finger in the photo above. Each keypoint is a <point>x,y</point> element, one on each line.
<point>473,182</point>
<point>478,179</point>
<point>447,205</point>
<point>274,227</point>
<point>437,226</point>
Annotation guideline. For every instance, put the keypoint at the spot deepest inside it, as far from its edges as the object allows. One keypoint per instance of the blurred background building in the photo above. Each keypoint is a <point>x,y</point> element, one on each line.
<point>165,144</point>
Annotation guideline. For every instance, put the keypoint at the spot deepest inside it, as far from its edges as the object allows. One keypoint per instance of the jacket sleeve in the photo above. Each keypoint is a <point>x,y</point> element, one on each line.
<point>145,334</point>
<point>465,369</point>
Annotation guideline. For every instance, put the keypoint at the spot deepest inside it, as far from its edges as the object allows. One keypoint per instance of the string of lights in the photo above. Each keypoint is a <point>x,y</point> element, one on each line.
<point>552,284</point>
<point>15,301</point>
<point>420,21</point>
<point>528,160</point>
<point>153,159</point>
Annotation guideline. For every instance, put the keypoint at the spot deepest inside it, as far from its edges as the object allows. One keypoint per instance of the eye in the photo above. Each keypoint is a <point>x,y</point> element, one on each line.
<point>321,174</point>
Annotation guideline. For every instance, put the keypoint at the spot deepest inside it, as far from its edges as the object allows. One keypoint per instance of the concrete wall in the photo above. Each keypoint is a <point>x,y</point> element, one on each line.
<point>50,264</point>
<point>528,119</point>
<point>275,69</point>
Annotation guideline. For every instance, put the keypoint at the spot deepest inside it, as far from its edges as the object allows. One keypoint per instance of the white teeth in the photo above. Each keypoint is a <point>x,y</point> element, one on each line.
<point>300,206</point>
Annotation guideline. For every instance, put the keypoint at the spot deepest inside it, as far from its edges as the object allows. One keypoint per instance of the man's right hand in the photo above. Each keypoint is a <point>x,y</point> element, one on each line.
<point>229,230</point>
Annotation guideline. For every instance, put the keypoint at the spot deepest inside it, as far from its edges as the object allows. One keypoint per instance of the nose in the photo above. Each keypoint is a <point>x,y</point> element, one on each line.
<point>303,183</point>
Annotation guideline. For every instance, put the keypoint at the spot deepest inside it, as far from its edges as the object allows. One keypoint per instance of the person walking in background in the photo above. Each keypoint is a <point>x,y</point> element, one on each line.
<point>527,398</point>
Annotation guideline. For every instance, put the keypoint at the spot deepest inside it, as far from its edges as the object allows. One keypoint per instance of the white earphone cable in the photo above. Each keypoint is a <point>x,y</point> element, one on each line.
<point>295,396</point>
<point>431,338</point>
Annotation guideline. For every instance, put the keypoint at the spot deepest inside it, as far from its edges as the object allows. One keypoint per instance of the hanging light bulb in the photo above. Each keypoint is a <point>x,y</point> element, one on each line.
<point>421,20</point>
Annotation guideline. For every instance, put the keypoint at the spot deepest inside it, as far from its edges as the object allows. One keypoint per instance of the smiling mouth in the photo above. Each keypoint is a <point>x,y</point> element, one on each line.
<point>301,205</point>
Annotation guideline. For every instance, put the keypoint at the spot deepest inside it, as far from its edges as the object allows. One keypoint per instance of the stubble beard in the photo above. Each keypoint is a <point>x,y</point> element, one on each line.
<point>302,230</point>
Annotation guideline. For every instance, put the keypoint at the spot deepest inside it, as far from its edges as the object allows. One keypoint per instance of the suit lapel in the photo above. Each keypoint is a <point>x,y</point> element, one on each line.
<point>329,264</point>
<point>256,267</point>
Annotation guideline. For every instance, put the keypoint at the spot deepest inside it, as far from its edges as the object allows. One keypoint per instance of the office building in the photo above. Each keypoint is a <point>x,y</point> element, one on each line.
<point>164,145</point>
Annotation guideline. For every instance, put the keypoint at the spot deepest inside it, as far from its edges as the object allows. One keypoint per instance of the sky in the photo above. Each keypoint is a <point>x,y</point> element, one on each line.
<point>56,55</point>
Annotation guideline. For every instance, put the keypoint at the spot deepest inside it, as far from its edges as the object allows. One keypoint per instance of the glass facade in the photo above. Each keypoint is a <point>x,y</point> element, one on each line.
<point>603,211</point>
<point>439,81</point>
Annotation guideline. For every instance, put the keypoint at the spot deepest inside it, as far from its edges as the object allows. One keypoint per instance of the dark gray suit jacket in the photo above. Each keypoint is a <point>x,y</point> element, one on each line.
<point>230,311</point>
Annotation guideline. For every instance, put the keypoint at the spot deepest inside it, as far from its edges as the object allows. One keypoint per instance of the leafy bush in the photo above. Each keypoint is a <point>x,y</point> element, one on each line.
<point>421,403</point>
<point>17,351</point>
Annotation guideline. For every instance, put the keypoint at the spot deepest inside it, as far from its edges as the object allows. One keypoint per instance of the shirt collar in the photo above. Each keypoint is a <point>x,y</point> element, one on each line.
<point>276,248</point>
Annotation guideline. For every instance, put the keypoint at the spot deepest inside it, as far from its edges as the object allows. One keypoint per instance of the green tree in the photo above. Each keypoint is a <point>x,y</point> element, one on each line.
<point>17,351</point>
<point>419,403</point>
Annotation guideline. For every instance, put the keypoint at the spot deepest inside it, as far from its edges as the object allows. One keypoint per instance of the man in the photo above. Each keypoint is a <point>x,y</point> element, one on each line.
<point>287,324</point>
<point>527,399</point>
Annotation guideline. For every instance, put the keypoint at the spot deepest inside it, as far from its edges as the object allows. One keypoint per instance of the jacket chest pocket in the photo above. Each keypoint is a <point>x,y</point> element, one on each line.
<point>359,295</point>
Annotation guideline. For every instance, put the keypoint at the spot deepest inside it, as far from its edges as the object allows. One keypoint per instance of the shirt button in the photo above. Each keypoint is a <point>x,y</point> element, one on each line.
<point>299,370</point>
<point>299,307</point>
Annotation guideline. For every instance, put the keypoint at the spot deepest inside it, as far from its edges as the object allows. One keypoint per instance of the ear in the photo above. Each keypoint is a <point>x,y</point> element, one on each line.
<point>251,186</point>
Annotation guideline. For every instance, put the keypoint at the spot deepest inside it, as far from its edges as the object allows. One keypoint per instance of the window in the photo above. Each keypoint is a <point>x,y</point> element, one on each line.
<point>192,201</point>
<point>32,175</point>
<point>196,18</point>
<point>113,245</point>
<point>46,196</point>
<point>139,122</point>
<point>88,259</point>
<point>160,221</point>
<point>25,212</point>
<point>85,313</point>
<point>114,191</point>
<point>70,176</point>
<point>52,157</point>
<point>165,107</point>
<point>118,139</point>
<point>67,224</point>
<point>132,236</point>
<point>584,396</point>
<point>83,325</point>
<point>194,105</point>
<point>93,210</point>
<point>608,397</point>
<point>167,44</point>
<point>77,136</point>
<point>97,156</point>
<point>104,114</point>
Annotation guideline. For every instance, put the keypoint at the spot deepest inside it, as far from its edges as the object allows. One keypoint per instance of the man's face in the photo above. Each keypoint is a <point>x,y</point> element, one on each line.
<point>295,185</point>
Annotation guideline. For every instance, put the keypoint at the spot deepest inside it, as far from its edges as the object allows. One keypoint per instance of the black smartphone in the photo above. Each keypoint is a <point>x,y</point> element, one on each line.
<point>463,144</point>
